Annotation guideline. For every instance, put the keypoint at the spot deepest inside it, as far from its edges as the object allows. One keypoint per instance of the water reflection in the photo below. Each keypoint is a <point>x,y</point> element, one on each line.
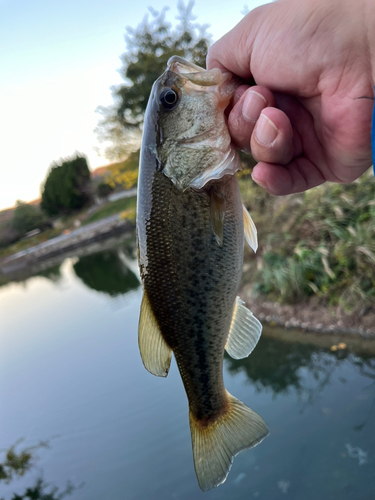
<point>281,366</point>
<point>52,273</point>
<point>106,272</point>
<point>17,463</point>
<point>49,267</point>
<point>70,366</point>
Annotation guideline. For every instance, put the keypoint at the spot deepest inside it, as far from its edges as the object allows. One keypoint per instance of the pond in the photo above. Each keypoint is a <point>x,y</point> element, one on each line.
<point>99,426</point>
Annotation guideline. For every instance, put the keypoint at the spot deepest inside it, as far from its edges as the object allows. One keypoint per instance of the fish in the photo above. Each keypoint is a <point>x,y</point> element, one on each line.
<point>191,226</point>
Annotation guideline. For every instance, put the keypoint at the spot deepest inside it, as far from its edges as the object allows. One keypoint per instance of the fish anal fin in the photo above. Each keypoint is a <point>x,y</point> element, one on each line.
<point>155,352</point>
<point>215,445</point>
<point>250,230</point>
<point>217,212</point>
<point>244,333</point>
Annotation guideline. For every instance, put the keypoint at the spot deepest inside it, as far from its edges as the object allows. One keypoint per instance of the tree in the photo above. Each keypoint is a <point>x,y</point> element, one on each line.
<point>27,217</point>
<point>149,46</point>
<point>67,187</point>
<point>104,190</point>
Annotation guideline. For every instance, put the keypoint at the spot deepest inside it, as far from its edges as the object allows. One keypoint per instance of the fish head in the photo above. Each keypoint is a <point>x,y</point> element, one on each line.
<point>187,106</point>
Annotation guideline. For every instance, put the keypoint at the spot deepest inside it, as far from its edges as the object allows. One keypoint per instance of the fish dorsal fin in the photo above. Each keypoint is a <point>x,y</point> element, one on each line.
<point>217,212</point>
<point>155,352</point>
<point>244,333</point>
<point>250,230</point>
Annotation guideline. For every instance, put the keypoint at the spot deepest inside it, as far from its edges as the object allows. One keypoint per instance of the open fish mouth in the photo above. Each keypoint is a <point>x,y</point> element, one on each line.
<point>198,148</point>
<point>194,73</point>
<point>194,78</point>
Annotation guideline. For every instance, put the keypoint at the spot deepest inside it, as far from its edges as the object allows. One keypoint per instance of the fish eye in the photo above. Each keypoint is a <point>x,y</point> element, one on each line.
<point>169,99</point>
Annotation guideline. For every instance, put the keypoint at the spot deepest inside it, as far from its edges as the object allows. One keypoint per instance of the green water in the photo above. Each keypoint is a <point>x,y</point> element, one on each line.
<point>71,375</point>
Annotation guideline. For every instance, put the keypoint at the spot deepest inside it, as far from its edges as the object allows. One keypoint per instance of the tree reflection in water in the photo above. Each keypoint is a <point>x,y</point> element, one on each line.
<point>16,463</point>
<point>52,273</point>
<point>106,272</point>
<point>281,366</point>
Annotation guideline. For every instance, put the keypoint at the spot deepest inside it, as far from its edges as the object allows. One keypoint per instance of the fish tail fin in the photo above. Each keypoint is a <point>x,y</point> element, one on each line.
<point>217,443</point>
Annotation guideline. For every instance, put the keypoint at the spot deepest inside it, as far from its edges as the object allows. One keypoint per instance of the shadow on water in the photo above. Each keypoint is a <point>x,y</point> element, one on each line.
<point>16,463</point>
<point>106,272</point>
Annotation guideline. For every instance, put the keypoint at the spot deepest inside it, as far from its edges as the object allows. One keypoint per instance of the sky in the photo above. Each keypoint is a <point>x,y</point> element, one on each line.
<point>59,59</point>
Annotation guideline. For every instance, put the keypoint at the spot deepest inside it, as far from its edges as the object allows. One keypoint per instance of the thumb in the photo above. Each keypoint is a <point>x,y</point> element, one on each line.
<point>233,51</point>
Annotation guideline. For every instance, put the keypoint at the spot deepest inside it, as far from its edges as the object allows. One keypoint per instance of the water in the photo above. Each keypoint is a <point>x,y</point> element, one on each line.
<point>71,375</point>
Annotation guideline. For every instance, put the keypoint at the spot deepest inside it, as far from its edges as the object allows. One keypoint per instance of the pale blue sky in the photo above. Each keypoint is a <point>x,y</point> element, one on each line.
<point>58,60</point>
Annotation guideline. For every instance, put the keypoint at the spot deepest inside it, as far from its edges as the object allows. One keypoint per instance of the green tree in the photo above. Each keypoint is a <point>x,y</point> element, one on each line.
<point>67,187</point>
<point>27,217</point>
<point>104,190</point>
<point>149,46</point>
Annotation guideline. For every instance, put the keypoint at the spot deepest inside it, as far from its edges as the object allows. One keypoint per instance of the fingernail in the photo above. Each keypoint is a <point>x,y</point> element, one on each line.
<point>265,130</point>
<point>253,105</point>
<point>260,183</point>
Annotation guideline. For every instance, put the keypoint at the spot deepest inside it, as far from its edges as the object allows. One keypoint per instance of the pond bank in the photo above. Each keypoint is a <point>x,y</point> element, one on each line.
<point>310,316</point>
<point>86,235</point>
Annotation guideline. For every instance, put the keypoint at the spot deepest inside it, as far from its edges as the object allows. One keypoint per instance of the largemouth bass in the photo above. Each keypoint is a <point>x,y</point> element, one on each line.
<point>190,226</point>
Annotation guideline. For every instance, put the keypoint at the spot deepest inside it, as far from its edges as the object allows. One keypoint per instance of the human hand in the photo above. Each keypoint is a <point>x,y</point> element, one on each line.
<point>308,119</point>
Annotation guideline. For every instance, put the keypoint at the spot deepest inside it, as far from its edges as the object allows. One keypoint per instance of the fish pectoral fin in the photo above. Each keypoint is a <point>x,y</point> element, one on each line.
<point>216,444</point>
<point>244,333</point>
<point>155,352</point>
<point>217,212</point>
<point>250,230</point>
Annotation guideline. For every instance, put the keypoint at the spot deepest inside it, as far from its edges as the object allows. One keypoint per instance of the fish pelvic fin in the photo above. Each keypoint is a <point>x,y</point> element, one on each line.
<point>216,444</point>
<point>244,333</point>
<point>155,352</point>
<point>250,230</point>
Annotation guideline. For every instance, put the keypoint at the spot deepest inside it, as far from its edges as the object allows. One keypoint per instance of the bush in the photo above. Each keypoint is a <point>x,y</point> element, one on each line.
<point>27,217</point>
<point>67,187</point>
<point>103,190</point>
<point>321,243</point>
<point>8,235</point>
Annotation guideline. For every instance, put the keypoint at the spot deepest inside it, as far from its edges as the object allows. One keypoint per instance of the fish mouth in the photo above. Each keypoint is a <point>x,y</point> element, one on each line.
<point>195,74</point>
<point>194,78</point>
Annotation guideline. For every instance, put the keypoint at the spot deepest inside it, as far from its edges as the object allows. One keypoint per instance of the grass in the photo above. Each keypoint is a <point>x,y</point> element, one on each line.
<point>319,243</point>
<point>127,205</point>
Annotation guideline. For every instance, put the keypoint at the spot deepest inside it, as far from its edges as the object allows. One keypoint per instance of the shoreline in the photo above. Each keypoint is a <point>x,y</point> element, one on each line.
<point>310,316</point>
<point>66,243</point>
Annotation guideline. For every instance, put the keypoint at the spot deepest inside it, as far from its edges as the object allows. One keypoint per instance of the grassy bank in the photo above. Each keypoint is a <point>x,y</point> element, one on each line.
<point>317,244</point>
<point>127,205</point>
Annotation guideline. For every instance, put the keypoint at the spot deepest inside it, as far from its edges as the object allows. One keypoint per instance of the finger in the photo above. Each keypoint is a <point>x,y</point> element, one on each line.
<point>236,97</point>
<point>297,176</point>
<point>272,140</point>
<point>239,93</point>
<point>245,113</point>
